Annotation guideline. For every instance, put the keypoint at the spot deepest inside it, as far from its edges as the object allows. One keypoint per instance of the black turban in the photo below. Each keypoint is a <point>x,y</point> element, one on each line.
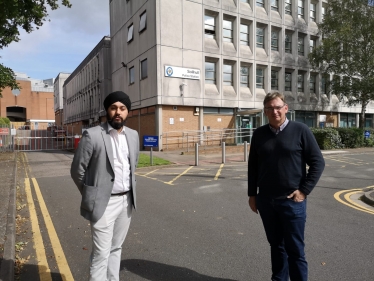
<point>117,96</point>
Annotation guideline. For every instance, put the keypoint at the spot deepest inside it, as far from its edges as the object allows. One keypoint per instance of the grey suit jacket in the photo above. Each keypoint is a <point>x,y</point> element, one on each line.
<point>92,169</point>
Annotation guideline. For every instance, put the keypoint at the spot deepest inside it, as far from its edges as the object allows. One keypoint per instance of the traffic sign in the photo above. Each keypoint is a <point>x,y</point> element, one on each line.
<point>150,141</point>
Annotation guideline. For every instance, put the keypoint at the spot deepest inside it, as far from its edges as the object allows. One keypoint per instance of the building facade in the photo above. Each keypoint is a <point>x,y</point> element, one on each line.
<point>58,98</point>
<point>32,104</point>
<point>86,88</point>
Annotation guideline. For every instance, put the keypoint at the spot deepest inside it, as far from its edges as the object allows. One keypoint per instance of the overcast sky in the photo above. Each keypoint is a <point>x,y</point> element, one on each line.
<point>62,43</point>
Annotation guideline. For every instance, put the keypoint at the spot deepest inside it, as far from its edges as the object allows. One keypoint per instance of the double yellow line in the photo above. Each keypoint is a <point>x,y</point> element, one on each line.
<point>43,267</point>
<point>349,202</point>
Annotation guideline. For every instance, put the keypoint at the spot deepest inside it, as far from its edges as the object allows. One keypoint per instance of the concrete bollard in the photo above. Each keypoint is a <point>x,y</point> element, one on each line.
<point>223,152</point>
<point>245,151</point>
<point>196,154</point>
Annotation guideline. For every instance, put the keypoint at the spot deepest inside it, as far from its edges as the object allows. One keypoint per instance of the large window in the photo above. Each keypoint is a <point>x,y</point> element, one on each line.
<point>274,80</point>
<point>227,74</point>
<point>288,81</point>
<point>312,84</point>
<point>307,117</point>
<point>260,3</point>
<point>274,5</point>
<point>143,69</point>
<point>300,44</point>
<point>244,76</point>
<point>260,78</point>
<point>312,44</point>
<point>130,33</point>
<point>312,12</point>
<point>300,8</point>
<point>210,72</point>
<point>347,120</point>
<point>143,22</point>
<point>288,7</point>
<point>131,75</point>
<point>260,37</point>
<point>288,42</point>
<point>300,82</point>
<point>227,31</point>
<point>274,40</point>
<point>210,25</point>
<point>244,34</point>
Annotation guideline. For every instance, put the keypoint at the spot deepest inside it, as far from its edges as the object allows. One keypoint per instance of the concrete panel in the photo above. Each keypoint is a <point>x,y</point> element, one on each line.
<point>171,18</point>
<point>230,5</point>
<point>192,26</point>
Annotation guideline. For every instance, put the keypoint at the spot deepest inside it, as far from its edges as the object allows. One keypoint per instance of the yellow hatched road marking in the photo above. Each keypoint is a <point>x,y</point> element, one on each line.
<point>219,172</point>
<point>56,245</point>
<point>177,177</point>
<point>43,268</point>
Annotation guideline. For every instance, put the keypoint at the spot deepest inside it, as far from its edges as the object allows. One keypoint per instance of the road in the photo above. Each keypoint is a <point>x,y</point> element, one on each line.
<point>194,223</point>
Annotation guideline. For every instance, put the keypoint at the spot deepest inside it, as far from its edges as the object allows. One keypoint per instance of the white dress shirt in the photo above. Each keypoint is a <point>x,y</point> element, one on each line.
<point>121,161</point>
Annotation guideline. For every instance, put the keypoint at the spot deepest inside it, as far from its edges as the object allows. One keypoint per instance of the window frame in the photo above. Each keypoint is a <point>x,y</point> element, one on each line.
<point>230,31</point>
<point>274,7</point>
<point>260,45</point>
<point>225,74</point>
<point>301,9</point>
<point>288,83</point>
<point>244,84</point>
<point>209,80</point>
<point>209,32</point>
<point>246,34</point>
<point>142,71</point>
<point>130,33</point>
<point>300,83</point>
<point>260,3</point>
<point>261,77</point>
<point>275,47</point>
<point>312,46</point>
<point>312,83</point>
<point>132,74</point>
<point>312,12</point>
<point>288,35</point>
<point>288,7</point>
<point>275,79</point>
<point>143,22</point>
<point>301,45</point>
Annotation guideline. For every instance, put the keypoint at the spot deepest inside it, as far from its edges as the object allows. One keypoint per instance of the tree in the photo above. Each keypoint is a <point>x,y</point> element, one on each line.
<point>347,51</point>
<point>16,14</point>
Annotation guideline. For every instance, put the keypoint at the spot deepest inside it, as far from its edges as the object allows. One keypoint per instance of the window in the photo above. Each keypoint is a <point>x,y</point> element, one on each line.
<point>300,45</point>
<point>288,42</point>
<point>132,75</point>
<point>274,80</point>
<point>300,9</point>
<point>143,22</point>
<point>244,34</point>
<point>244,1</point>
<point>260,3</point>
<point>288,7</point>
<point>312,83</point>
<point>347,120</point>
<point>244,76</point>
<point>130,33</point>
<point>288,81</point>
<point>210,73</point>
<point>227,31</point>
<point>312,12</point>
<point>300,82</point>
<point>324,85</point>
<point>274,5</point>
<point>323,12</point>
<point>210,31</point>
<point>143,69</point>
<point>260,78</point>
<point>309,118</point>
<point>274,40</point>
<point>312,44</point>
<point>227,74</point>
<point>260,37</point>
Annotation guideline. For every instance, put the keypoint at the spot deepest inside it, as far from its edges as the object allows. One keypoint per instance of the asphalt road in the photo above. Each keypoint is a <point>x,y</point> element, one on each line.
<point>194,223</point>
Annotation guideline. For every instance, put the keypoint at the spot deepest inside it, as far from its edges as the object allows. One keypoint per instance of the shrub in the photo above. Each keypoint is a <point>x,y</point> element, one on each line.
<point>351,137</point>
<point>327,138</point>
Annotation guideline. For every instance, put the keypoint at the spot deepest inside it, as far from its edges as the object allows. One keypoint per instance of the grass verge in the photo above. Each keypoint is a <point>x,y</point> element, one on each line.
<point>145,161</point>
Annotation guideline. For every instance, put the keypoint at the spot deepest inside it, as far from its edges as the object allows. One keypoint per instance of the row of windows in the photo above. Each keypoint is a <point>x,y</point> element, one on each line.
<point>142,27</point>
<point>143,71</point>
<point>228,75</point>
<point>288,7</point>
<point>228,32</point>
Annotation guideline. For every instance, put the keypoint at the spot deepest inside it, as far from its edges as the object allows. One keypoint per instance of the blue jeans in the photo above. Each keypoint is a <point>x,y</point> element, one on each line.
<point>284,223</point>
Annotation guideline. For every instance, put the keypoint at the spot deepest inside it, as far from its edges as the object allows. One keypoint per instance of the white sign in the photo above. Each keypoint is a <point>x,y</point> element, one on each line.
<point>171,121</point>
<point>322,118</point>
<point>181,72</point>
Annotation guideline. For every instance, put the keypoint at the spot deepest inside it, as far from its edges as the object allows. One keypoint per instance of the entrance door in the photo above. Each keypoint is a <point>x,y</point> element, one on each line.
<point>246,125</point>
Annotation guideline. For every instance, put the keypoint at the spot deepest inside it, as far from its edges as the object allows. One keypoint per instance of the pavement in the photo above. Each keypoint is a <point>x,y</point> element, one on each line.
<point>8,171</point>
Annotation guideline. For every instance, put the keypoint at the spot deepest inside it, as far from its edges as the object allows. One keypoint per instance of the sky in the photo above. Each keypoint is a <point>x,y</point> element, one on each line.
<point>62,43</point>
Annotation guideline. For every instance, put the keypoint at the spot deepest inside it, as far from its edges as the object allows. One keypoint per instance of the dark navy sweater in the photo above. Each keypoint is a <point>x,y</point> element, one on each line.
<point>277,163</point>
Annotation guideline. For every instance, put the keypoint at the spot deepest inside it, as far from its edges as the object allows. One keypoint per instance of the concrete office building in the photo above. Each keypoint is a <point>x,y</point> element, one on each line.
<point>86,88</point>
<point>200,64</point>
<point>58,98</point>
<point>32,105</point>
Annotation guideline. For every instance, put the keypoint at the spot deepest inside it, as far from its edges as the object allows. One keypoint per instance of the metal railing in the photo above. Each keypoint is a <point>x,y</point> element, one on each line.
<point>187,139</point>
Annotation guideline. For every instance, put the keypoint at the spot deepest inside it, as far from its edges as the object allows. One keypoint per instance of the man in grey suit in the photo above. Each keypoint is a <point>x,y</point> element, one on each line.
<point>103,169</point>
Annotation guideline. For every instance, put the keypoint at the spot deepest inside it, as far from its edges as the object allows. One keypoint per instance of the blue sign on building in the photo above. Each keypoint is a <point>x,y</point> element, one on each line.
<point>151,141</point>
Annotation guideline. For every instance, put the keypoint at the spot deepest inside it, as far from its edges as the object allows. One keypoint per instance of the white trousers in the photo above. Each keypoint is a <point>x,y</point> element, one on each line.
<point>108,235</point>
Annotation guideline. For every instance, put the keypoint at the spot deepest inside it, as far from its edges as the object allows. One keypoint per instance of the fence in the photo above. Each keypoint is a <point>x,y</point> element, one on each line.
<point>187,139</point>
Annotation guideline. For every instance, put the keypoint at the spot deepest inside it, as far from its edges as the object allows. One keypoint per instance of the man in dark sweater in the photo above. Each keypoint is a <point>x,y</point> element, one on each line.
<point>278,185</point>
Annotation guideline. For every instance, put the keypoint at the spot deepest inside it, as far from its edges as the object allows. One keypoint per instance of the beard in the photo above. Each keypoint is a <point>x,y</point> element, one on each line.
<point>115,124</point>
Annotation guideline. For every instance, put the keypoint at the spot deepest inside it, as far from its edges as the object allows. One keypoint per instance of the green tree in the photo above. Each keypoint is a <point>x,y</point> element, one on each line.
<point>347,51</point>
<point>25,14</point>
